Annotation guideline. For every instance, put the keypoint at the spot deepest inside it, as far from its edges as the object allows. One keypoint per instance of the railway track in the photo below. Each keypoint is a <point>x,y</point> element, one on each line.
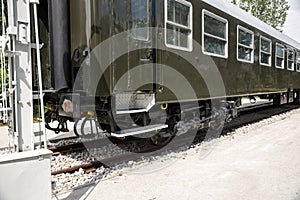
<point>246,117</point>
<point>70,148</point>
<point>76,147</point>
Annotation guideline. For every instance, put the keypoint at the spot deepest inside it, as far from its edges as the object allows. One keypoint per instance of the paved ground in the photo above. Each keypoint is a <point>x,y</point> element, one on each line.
<point>263,164</point>
<point>3,137</point>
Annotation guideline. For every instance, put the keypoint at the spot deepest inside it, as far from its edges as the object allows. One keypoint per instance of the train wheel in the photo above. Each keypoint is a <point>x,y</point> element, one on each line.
<point>76,128</point>
<point>218,119</point>
<point>87,127</point>
<point>90,126</point>
<point>161,139</point>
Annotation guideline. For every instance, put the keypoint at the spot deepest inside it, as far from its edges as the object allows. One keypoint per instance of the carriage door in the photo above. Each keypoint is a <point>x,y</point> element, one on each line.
<point>134,72</point>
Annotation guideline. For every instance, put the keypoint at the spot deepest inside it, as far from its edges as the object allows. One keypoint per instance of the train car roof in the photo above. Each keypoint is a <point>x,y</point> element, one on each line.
<point>238,13</point>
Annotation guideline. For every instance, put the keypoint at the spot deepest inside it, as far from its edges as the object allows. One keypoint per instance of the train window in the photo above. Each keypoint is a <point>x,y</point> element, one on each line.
<point>245,45</point>
<point>140,19</point>
<point>265,51</point>
<point>215,35</point>
<point>291,60</point>
<point>298,62</point>
<point>178,23</point>
<point>279,56</point>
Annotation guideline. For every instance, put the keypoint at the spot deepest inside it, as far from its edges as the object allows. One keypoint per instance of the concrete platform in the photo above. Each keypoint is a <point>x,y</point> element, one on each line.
<point>257,163</point>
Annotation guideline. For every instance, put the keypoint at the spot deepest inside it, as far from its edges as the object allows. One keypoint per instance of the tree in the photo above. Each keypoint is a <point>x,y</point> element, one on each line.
<point>272,12</point>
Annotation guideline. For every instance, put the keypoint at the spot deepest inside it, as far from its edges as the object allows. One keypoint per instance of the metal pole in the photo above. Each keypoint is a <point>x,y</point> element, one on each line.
<point>3,74</point>
<point>15,90</point>
<point>12,32</point>
<point>3,18</point>
<point>38,58</point>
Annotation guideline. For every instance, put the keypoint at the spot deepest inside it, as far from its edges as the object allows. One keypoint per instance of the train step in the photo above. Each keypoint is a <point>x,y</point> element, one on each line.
<point>138,130</point>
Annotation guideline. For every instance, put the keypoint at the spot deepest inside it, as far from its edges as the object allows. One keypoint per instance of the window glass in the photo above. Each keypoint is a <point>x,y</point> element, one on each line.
<point>291,55</point>
<point>178,24</point>
<point>279,56</point>
<point>298,61</point>
<point>245,37</point>
<point>265,58</point>
<point>265,45</point>
<point>140,19</point>
<point>279,62</point>
<point>171,10</point>
<point>178,12</point>
<point>214,46</point>
<point>215,36</point>
<point>177,36</point>
<point>290,60</point>
<point>245,53</point>
<point>214,27</point>
<point>280,51</point>
<point>265,51</point>
<point>245,44</point>
<point>182,14</point>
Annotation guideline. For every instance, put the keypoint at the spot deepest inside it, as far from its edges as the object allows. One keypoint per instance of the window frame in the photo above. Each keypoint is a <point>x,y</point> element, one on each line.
<point>217,17</point>
<point>288,60</point>
<point>190,27</point>
<point>279,67</point>
<point>239,27</point>
<point>269,53</point>
<point>297,62</point>
<point>148,23</point>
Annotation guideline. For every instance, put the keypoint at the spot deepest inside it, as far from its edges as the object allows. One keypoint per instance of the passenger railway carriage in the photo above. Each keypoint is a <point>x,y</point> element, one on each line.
<point>253,60</point>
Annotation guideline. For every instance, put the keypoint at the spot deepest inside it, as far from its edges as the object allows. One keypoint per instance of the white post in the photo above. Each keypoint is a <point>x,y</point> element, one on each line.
<point>19,30</point>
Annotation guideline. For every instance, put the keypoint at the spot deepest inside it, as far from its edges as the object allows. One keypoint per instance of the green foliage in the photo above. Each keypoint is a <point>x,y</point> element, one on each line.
<point>1,79</point>
<point>272,12</point>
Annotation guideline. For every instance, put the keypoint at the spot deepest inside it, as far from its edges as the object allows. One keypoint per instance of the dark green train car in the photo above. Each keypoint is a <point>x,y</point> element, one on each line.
<point>133,57</point>
<point>245,50</point>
